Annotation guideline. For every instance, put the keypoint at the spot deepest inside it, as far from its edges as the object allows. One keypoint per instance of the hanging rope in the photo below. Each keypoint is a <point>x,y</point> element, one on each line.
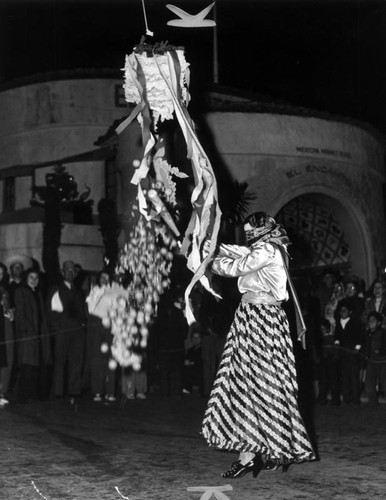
<point>148,32</point>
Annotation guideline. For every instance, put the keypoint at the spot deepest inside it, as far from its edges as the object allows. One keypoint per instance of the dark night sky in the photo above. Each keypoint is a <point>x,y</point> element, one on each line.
<point>326,54</point>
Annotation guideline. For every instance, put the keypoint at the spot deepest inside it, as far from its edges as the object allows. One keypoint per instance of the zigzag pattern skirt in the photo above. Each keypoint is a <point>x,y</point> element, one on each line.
<point>253,403</point>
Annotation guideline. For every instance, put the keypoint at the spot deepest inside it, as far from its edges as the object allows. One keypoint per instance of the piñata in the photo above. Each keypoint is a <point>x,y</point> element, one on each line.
<point>157,82</point>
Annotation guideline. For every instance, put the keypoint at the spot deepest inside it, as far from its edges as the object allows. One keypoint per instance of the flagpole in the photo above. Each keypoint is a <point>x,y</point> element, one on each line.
<point>215,46</point>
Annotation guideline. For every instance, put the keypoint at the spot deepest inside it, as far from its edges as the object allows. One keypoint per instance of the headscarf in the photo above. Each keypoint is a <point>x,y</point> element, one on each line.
<point>265,229</point>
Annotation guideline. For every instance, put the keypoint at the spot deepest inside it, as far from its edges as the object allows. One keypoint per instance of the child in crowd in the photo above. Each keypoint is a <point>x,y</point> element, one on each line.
<point>349,337</point>
<point>376,355</point>
<point>328,366</point>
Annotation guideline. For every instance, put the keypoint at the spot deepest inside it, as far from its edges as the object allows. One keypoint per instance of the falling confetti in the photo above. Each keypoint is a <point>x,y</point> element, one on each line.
<point>147,258</point>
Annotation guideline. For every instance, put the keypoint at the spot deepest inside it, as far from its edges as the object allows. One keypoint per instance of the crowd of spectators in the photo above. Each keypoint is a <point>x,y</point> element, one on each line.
<point>54,345</point>
<point>346,340</point>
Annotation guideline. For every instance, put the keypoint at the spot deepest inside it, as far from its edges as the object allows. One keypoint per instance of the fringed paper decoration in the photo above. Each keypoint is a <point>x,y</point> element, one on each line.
<point>157,80</point>
<point>145,85</point>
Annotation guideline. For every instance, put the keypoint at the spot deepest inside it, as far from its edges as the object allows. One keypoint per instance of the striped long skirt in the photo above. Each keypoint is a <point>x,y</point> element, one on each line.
<point>253,403</point>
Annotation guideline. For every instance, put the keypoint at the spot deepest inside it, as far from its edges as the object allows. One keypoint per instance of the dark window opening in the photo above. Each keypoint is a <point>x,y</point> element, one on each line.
<point>9,194</point>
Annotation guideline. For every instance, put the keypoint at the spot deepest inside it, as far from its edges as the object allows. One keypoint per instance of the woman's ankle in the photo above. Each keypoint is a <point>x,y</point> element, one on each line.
<point>246,457</point>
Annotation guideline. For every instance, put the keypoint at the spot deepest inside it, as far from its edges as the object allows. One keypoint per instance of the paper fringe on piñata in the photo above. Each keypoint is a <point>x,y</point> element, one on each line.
<point>157,81</point>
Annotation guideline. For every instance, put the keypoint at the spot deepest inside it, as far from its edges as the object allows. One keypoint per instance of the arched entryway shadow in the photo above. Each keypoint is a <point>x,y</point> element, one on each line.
<point>336,229</point>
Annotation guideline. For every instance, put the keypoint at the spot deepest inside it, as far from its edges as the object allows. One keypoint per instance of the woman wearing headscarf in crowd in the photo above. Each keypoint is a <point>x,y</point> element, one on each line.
<point>34,352</point>
<point>353,299</point>
<point>375,302</point>
<point>253,407</point>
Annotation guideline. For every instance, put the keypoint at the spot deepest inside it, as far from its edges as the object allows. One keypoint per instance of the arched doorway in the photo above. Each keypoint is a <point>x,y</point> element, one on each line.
<point>327,232</point>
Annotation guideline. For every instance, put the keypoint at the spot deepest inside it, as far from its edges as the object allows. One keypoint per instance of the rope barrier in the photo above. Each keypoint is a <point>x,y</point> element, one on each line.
<point>355,351</point>
<point>35,337</point>
<point>69,330</point>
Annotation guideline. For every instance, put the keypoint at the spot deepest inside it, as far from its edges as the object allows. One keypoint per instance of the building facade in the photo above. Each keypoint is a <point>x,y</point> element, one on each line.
<point>321,176</point>
<point>49,121</point>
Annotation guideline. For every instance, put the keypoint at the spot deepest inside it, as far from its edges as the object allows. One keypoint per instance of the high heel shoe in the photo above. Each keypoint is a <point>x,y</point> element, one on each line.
<point>285,467</point>
<point>237,469</point>
<point>271,465</point>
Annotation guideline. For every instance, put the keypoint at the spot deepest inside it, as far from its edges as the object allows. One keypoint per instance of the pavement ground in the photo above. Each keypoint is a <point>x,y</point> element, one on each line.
<point>152,449</point>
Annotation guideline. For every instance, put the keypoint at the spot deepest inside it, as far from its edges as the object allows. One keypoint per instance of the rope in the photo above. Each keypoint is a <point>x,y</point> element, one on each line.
<point>69,330</point>
<point>354,351</point>
<point>148,32</point>
<point>35,337</point>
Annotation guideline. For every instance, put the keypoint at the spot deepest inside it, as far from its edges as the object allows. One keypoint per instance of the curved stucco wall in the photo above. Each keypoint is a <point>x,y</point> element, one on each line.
<point>282,157</point>
<point>52,120</point>
<point>49,121</point>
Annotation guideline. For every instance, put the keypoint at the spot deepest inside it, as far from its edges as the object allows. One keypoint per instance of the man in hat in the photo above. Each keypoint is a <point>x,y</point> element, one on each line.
<point>17,264</point>
<point>68,320</point>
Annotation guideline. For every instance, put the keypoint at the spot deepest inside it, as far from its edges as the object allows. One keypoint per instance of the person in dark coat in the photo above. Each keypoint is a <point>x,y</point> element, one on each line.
<point>376,356</point>
<point>34,354</point>
<point>376,301</point>
<point>328,365</point>
<point>3,345</point>
<point>193,365</point>
<point>171,330</point>
<point>4,277</point>
<point>354,302</point>
<point>7,346</point>
<point>349,336</point>
<point>68,321</point>
<point>17,265</point>
<point>214,318</point>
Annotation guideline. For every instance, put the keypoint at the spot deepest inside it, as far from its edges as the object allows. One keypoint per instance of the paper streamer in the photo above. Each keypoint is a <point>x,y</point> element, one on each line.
<point>158,77</point>
<point>162,211</point>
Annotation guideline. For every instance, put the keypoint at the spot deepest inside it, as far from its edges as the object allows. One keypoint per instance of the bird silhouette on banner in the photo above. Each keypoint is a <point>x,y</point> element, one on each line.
<point>190,20</point>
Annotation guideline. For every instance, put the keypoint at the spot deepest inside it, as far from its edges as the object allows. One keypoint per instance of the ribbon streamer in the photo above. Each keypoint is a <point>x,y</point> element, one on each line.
<point>206,216</point>
<point>158,81</point>
<point>162,211</point>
